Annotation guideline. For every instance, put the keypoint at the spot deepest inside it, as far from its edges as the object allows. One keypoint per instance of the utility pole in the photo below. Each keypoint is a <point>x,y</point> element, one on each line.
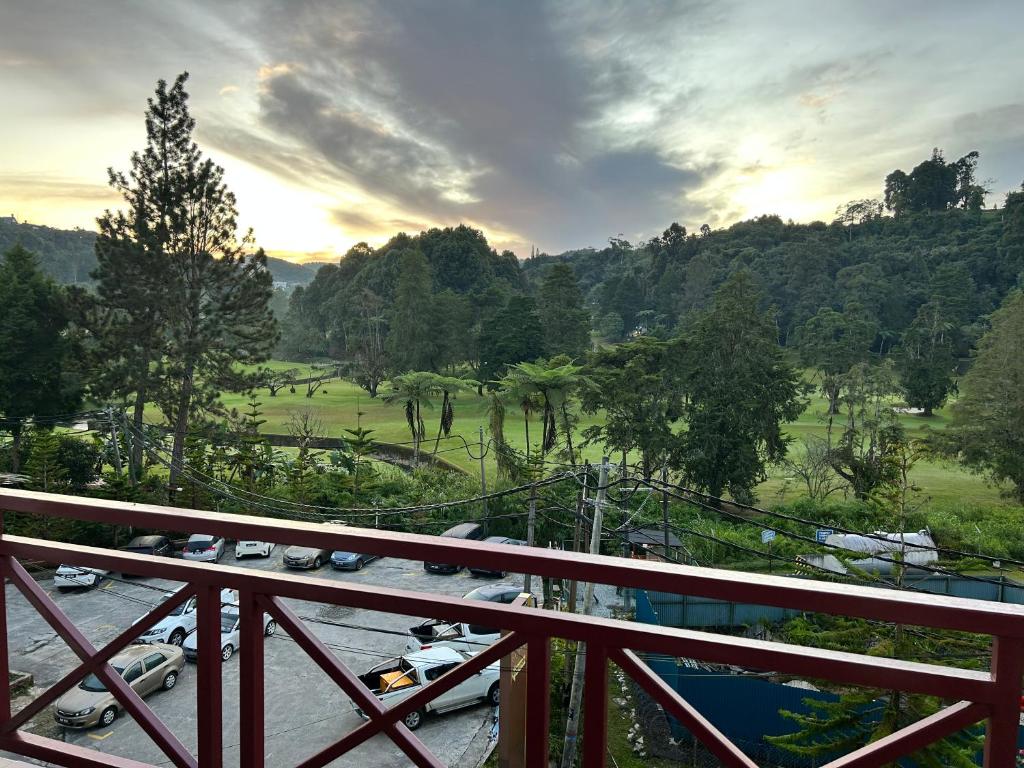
<point>572,724</point>
<point>664,503</point>
<point>483,472</point>
<point>531,530</point>
<point>113,441</point>
<point>581,504</point>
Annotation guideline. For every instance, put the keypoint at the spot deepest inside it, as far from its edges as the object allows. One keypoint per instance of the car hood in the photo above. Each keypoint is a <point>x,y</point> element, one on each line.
<point>295,551</point>
<point>78,699</point>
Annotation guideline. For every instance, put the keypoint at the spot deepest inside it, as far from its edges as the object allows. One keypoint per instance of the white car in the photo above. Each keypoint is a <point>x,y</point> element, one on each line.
<point>459,636</point>
<point>253,549</point>
<point>203,548</point>
<point>174,628</point>
<point>398,679</point>
<point>75,576</point>
<point>230,636</point>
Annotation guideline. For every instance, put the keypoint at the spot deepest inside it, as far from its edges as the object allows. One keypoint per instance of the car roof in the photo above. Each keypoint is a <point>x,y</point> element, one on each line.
<point>434,656</point>
<point>493,589</point>
<point>146,541</point>
<point>462,529</point>
<point>135,652</point>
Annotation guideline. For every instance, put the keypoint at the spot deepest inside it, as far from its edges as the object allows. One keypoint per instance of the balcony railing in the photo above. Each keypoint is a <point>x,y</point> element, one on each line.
<point>974,696</point>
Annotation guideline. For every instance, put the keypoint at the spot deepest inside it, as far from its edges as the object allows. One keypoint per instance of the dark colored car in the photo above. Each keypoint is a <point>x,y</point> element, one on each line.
<point>467,531</point>
<point>350,561</point>
<point>150,545</point>
<point>491,572</point>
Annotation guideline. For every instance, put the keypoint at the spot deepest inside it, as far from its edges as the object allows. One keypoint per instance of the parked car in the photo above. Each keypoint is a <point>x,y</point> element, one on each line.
<point>467,531</point>
<point>230,636</point>
<point>77,576</point>
<point>150,545</point>
<point>397,679</point>
<point>146,668</point>
<point>253,548</point>
<point>459,636</point>
<point>203,548</point>
<point>495,593</point>
<point>306,557</point>
<point>181,622</point>
<point>350,561</point>
<point>477,570</point>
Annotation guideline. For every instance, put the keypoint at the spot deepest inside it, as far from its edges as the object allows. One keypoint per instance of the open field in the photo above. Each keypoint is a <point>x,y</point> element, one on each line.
<point>338,401</point>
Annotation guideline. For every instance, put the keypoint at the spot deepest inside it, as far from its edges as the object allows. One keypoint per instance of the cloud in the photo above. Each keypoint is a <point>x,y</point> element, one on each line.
<point>551,123</point>
<point>28,186</point>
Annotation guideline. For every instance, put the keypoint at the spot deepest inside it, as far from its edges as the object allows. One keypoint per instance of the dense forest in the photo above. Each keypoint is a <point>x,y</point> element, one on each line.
<point>911,275</point>
<point>69,255</point>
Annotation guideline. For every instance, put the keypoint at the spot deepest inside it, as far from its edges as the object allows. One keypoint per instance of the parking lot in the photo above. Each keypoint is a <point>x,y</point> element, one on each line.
<point>305,710</point>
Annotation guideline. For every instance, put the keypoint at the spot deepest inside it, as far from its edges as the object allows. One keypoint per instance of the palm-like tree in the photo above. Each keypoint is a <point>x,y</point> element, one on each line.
<point>553,383</point>
<point>450,387</point>
<point>415,389</point>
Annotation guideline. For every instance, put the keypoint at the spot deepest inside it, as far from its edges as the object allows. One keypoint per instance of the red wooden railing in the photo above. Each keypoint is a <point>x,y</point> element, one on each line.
<point>974,696</point>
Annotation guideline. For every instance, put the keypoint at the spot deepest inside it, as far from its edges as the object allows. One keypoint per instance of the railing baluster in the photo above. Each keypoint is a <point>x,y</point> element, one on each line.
<point>251,688</point>
<point>211,723</point>
<point>595,707</point>
<point>1003,723</point>
<point>538,699</point>
<point>5,661</point>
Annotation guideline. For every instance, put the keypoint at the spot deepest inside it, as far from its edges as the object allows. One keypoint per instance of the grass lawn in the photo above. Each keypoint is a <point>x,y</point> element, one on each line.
<point>338,401</point>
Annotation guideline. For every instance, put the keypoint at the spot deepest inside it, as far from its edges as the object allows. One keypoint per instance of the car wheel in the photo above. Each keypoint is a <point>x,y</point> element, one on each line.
<point>227,652</point>
<point>413,720</point>
<point>177,637</point>
<point>359,565</point>
<point>108,716</point>
<point>170,679</point>
<point>493,695</point>
<point>271,628</point>
<point>317,563</point>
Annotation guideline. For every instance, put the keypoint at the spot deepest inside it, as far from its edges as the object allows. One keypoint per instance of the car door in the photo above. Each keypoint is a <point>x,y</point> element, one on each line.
<point>188,615</point>
<point>152,675</point>
<point>456,697</point>
<point>134,675</point>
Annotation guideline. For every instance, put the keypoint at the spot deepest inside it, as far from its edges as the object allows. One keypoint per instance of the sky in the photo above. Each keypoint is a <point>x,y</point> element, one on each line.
<point>549,125</point>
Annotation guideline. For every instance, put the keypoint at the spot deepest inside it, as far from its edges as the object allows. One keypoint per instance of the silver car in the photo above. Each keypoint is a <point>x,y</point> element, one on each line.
<point>203,548</point>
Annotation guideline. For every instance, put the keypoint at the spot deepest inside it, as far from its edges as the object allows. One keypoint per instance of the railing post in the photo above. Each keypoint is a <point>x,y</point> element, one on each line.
<point>209,706</point>
<point>595,707</point>
<point>1003,723</point>
<point>5,677</point>
<point>251,688</point>
<point>538,700</point>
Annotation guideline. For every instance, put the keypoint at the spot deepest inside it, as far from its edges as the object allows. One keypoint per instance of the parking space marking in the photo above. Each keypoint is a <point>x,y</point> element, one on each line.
<point>100,737</point>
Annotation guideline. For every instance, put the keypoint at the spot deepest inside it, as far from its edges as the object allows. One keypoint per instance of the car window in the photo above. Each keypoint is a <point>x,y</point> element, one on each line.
<point>134,672</point>
<point>508,597</point>
<point>153,661</point>
<point>477,629</point>
<point>435,672</point>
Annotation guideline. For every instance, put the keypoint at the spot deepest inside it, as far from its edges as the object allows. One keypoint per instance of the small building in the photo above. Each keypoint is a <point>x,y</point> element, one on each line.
<point>648,543</point>
<point>8,219</point>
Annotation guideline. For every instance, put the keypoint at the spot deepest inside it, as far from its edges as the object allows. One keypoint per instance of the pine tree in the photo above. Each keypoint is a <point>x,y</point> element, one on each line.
<point>214,298</point>
<point>740,390</point>
<point>560,306</point>
<point>38,378</point>
<point>44,468</point>
<point>411,344</point>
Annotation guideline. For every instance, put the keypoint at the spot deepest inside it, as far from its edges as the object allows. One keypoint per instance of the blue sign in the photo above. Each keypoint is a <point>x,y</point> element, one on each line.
<point>767,535</point>
<point>823,533</point>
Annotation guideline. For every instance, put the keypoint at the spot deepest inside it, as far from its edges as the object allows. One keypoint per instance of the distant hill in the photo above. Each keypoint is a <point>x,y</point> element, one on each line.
<point>68,255</point>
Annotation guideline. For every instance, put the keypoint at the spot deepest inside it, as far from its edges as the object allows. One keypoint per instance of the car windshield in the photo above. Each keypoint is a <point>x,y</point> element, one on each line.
<point>227,622</point>
<point>198,545</point>
<point>176,611</point>
<point>94,684</point>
